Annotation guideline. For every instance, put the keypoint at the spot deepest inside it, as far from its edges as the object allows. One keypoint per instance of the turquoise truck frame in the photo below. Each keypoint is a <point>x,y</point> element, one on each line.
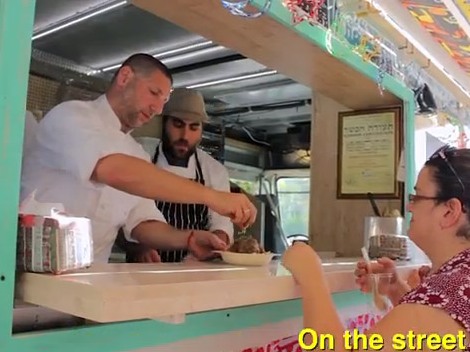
<point>16,21</point>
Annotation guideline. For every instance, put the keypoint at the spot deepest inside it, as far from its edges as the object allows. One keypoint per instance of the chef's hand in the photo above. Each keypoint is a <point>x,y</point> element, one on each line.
<point>147,255</point>
<point>202,244</point>
<point>236,206</point>
<point>303,263</point>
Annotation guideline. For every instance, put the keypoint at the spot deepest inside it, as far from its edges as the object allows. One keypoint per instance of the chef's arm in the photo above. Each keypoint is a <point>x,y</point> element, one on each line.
<point>222,235</point>
<point>159,235</point>
<point>132,248</point>
<point>141,178</point>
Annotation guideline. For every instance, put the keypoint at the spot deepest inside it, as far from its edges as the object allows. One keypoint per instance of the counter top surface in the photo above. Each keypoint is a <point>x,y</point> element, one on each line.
<point>118,292</point>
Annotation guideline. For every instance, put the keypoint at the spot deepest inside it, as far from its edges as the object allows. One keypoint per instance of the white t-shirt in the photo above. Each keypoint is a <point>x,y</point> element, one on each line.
<point>69,141</point>
<point>215,176</point>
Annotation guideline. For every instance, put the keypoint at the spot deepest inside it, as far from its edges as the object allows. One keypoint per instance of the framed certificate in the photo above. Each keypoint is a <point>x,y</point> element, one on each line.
<point>369,146</point>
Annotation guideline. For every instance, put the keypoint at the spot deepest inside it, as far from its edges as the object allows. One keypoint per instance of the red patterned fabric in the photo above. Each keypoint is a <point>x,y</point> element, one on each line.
<point>447,289</point>
<point>288,344</point>
<point>362,322</point>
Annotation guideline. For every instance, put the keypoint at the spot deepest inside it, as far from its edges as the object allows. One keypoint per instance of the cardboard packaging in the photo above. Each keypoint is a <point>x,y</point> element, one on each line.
<point>53,244</point>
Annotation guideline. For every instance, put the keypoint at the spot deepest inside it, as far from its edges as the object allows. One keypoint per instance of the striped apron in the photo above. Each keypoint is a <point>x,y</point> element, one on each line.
<point>183,216</point>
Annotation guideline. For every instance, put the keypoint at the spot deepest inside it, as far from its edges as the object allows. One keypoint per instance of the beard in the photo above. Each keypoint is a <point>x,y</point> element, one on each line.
<point>131,118</point>
<point>174,154</point>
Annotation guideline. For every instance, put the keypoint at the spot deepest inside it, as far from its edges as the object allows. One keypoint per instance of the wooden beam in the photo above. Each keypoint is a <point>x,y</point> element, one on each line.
<point>276,46</point>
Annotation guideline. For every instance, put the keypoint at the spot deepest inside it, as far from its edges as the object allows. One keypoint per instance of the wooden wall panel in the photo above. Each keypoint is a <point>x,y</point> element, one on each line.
<point>334,225</point>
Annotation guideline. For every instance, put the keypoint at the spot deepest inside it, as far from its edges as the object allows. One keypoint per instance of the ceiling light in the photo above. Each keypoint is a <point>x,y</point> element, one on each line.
<point>167,53</point>
<point>232,79</point>
<point>78,19</point>
<point>183,58</point>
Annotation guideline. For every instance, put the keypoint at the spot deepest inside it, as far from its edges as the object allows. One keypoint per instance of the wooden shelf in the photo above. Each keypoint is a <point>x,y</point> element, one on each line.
<point>297,52</point>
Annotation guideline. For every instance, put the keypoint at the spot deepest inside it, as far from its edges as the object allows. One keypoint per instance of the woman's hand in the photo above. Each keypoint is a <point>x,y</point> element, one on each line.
<point>394,289</point>
<point>382,266</point>
<point>302,261</point>
<point>418,275</point>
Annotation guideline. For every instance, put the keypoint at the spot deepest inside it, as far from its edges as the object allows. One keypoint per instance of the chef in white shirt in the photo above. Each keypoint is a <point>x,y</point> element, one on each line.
<point>178,152</point>
<point>84,157</point>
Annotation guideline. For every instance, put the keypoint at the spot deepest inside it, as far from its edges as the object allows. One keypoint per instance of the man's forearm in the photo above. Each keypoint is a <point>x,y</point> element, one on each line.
<point>141,178</point>
<point>159,235</point>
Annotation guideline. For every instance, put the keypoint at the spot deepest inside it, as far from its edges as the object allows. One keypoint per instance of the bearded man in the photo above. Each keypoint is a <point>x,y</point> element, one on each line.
<point>183,118</point>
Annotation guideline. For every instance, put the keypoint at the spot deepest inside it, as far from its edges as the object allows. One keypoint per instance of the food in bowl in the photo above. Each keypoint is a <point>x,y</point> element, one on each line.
<point>246,251</point>
<point>246,244</point>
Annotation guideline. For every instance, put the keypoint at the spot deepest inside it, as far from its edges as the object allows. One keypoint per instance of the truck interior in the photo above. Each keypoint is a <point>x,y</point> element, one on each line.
<point>260,120</point>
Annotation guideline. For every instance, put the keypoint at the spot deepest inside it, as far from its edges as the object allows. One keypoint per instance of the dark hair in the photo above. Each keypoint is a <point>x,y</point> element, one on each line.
<point>144,65</point>
<point>451,173</point>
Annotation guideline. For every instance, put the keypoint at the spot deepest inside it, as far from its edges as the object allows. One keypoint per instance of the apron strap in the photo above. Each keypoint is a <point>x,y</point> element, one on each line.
<point>157,152</point>
<point>190,216</point>
<point>199,174</point>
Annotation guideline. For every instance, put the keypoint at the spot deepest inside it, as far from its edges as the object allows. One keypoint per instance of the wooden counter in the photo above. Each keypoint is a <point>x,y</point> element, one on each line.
<point>122,292</point>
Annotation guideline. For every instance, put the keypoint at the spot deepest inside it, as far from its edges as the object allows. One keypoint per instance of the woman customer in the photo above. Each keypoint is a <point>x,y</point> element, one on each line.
<point>440,226</point>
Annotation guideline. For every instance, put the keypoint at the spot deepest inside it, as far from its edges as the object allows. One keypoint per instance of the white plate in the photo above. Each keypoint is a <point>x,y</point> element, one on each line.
<point>249,259</point>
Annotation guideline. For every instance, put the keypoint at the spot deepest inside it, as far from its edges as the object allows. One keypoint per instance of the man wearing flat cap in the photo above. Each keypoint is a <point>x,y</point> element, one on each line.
<point>183,118</point>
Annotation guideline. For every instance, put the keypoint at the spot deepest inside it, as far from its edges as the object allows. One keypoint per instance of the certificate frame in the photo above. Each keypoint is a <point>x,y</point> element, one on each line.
<point>369,147</point>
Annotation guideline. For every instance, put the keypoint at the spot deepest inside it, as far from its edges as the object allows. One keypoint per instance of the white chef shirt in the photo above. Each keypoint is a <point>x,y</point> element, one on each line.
<point>215,176</point>
<point>69,142</point>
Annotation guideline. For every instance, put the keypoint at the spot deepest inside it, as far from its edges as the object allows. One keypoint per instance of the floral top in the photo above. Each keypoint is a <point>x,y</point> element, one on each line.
<point>448,289</point>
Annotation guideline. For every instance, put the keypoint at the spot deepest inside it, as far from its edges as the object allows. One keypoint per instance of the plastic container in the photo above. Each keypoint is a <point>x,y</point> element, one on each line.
<point>385,237</point>
<point>378,288</point>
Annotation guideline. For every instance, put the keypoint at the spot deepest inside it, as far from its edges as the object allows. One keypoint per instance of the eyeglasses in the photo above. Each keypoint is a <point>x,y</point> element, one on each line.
<point>413,198</point>
<point>441,153</point>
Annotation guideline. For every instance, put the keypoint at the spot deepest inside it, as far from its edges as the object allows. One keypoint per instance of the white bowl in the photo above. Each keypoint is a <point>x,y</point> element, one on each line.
<point>248,259</point>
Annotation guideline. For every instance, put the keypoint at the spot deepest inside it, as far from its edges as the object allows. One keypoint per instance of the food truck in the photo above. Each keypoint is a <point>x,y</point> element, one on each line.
<point>290,87</point>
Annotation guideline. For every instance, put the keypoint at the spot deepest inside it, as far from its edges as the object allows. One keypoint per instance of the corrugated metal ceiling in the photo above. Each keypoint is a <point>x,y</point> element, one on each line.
<point>107,39</point>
